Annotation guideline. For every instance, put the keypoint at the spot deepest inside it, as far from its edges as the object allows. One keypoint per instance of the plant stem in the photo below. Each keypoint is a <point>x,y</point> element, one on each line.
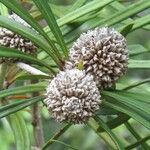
<point>37,122</point>
<point>56,136</point>
<point>37,126</point>
<point>2,75</point>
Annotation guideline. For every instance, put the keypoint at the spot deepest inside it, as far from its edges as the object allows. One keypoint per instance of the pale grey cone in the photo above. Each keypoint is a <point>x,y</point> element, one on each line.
<point>72,96</point>
<point>13,40</point>
<point>103,53</point>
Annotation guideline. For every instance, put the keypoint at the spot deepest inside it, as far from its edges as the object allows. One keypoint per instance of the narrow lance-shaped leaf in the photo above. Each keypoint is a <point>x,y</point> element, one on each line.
<point>77,4</point>
<point>91,6</point>
<point>111,20</point>
<point>121,104</point>
<point>3,10</point>
<point>22,90</point>
<point>116,122</point>
<point>16,106</point>
<point>56,136</point>
<point>139,64</point>
<point>136,135</point>
<point>96,123</point>
<point>125,13</point>
<point>25,132</point>
<point>20,130</point>
<point>130,101</point>
<point>14,53</point>
<point>137,49</point>
<point>140,22</point>
<point>138,143</point>
<point>13,120</point>
<point>67,145</point>
<point>125,30</point>
<point>133,85</point>
<point>49,17</point>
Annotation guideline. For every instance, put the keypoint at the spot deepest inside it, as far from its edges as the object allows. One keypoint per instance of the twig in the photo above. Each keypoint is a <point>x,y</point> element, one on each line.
<point>37,123</point>
<point>37,126</point>
<point>56,136</point>
<point>136,84</point>
<point>2,75</point>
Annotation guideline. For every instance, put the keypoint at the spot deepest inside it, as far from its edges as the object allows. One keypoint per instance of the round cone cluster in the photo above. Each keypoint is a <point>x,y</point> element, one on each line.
<point>72,96</point>
<point>13,40</point>
<point>103,53</point>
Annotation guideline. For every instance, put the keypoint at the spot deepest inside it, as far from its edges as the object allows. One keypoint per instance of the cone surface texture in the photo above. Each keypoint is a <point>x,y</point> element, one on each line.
<point>103,54</point>
<point>12,40</point>
<point>72,96</point>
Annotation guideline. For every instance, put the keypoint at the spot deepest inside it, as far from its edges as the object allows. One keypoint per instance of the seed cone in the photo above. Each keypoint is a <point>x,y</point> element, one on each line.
<point>13,40</point>
<point>72,96</point>
<point>103,54</point>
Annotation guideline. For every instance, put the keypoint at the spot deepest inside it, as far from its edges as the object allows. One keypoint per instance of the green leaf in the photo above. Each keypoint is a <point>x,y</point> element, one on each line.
<point>142,97</point>
<point>3,10</point>
<point>131,106</point>
<point>125,30</point>
<point>25,132</point>
<point>91,6</point>
<point>139,64</point>
<point>56,136</point>
<point>14,53</point>
<point>125,13</point>
<point>31,77</point>
<point>138,143</point>
<point>136,135</point>
<point>128,110</point>
<point>97,122</point>
<point>116,122</point>
<point>21,133</point>
<point>130,101</point>
<point>13,119</point>
<point>147,27</point>
<point>59,10</point>
<point>140,22</point>
<point>137,84</point>
<point>110,20</point>
<point>49,17</point>
<point>77,4</point>
<point>137,49</point>
<point>19,10</point>
<point>16,106</point>
<point>67,145</point>
<point>22,90</point>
